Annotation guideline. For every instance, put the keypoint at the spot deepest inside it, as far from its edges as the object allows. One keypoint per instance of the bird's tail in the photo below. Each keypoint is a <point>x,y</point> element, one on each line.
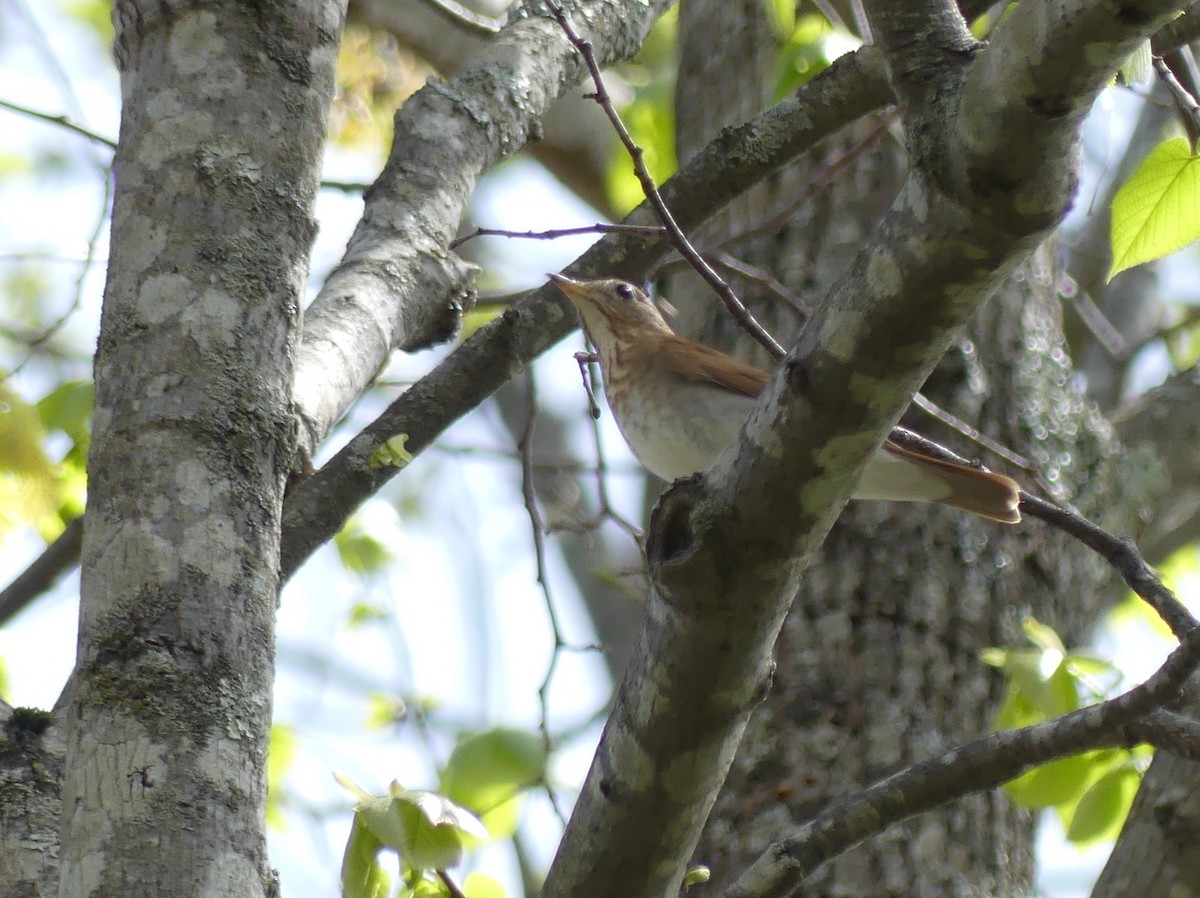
<point>967,487</point>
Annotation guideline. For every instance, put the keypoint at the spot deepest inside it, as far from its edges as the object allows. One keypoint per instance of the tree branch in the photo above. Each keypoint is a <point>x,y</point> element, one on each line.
<point>983,763</point>
<point>737,159</point>
<point>727,547</point>
<point>397,287</point>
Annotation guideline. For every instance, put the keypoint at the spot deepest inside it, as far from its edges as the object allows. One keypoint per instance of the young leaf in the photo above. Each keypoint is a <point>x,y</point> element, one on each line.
<point>1156,211</point>
<point>480,885</point>
<point>432,829</point>
<point>391,454</point>
<point>1103,808</point>
<point>1057,783</point>
<point>486,772</point>
<point>362,877</point>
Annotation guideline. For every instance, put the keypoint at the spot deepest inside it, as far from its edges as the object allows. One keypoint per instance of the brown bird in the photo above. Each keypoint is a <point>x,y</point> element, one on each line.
<point>679,404</point>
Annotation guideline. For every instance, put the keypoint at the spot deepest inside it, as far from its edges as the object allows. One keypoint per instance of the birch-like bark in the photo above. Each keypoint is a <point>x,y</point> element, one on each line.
<point>222,127</point>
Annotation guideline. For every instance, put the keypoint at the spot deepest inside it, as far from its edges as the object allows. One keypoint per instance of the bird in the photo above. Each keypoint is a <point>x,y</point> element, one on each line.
<point>679,403</point>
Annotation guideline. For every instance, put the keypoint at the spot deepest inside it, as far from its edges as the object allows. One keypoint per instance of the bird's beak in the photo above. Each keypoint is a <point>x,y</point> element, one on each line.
<point>576,291</point>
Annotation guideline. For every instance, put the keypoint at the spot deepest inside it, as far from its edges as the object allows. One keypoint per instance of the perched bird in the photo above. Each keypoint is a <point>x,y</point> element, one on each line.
<point>679,404</point>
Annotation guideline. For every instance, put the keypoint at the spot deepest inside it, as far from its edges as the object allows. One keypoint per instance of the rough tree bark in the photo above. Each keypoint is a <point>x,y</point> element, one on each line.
<point>222,128</point>
<point>167,716</point>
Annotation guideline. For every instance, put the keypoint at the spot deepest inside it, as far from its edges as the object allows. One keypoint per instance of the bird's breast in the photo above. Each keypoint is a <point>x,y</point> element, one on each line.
<point>676,428</point>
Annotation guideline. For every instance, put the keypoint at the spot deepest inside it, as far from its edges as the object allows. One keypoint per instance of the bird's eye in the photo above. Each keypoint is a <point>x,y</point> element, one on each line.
<point>625,291</point>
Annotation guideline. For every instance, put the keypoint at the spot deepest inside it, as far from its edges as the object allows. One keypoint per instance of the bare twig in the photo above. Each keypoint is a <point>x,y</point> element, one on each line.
<point>598,228</point>
<point>450,884</point>
<point>538,528</point>
<point>764,279</point>
<point>1183,99</point>
<point>1169,731</point>
<point>345,186</point>
<point>62,121</point>
<point>1122,555</point>
<point>817,182</point>
<point>1097,323</point>
<point>674,233</point>
<point>931,408</point>
<point>58,558</point>
<point>584,359</point>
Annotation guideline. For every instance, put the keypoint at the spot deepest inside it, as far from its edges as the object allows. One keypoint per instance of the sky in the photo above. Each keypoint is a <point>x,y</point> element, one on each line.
<point>467,624</point>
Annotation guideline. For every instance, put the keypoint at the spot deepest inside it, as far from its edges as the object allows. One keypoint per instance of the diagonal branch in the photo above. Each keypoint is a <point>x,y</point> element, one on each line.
<point>727,547</point>
<point>398,287</point>
<point>983,763</point>
<point>739,158</point>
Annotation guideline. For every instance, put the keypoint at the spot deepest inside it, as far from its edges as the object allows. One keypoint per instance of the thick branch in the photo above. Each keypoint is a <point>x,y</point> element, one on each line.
<point>737,159</point>
<point>397,286</point>
<point>727,547</point>
<point>1042,70</point>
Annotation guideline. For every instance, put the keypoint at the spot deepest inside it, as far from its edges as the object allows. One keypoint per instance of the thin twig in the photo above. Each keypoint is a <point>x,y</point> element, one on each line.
<point>57,558</point>
<point>537,528</point>
<point>345,186</point>
<point>61,120</point>
<point>598,228</point>
<point>450,884</point>
<point>1122,555</point>
<point>1176,733</point>
<point>931,408</point>
<point>764,279</point>
<point>1098,325</point>
<point>1183,100</point>
<point>982,763</point>
<point>584,359</point>
<point>674,233</point>
<point>814,184</point>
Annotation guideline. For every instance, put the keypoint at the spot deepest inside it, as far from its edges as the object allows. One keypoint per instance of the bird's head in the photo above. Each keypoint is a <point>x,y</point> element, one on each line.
<point>612,310</point>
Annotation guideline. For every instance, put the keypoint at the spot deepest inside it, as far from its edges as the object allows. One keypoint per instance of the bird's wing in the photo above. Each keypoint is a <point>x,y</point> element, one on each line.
<point>699,363</point>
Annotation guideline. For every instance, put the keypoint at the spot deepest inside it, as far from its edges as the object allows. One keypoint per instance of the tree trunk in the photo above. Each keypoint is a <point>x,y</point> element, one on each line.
<point>878,662</point>
<point>193,440</point>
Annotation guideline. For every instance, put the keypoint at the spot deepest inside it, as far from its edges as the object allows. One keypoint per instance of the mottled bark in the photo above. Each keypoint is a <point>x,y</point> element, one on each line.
<point>223,122</point>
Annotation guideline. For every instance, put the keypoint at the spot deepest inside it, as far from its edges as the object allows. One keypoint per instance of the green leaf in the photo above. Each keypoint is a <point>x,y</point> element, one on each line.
<point>384,710</point>
<point>1042,636</point>
<point>362,877</point>
<point>480,885</point>
<point>1102,810</point>
<point>782,16</point>
<point>1053,784</point>
<point>650,119</point>
<point>96,15</point>
<point>68,408</point>
<point>1139,66</point>
<point>488,771</point>
<point>29,486</point>
<point>393,453</point>
<point>1156,211</point>
<point>427,830</point>
<point>360,551</point>
<point>802,55</point>
<point>696,876</point>
<point>434,829</point>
